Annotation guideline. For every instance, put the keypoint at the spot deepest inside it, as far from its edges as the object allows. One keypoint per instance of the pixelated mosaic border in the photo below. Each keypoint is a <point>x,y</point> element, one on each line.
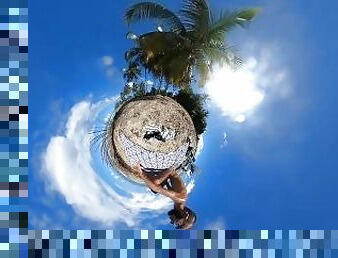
<point>13,128</point>
<point>185,244</point>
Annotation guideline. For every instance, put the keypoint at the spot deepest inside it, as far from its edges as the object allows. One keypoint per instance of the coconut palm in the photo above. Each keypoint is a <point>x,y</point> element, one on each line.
<point>187,43</point>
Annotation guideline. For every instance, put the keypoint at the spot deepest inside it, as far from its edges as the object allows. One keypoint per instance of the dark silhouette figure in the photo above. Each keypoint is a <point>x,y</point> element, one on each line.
<point>168,183</point>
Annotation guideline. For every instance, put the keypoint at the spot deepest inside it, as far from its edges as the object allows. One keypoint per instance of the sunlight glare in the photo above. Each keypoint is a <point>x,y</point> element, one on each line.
<point>235,92</point>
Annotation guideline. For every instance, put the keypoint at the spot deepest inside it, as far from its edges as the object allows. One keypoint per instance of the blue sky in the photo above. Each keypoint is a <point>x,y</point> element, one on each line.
<point>277,169</point>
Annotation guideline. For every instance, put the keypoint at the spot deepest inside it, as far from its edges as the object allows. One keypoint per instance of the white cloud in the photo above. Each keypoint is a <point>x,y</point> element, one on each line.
<point>270,122</point>
<point>225,140</point>
<point>217,224</point>
<point>238,92</point>
<point>111,71</point>
<point>67,167</point>
<point>190,186</point>
<point>107,60</point>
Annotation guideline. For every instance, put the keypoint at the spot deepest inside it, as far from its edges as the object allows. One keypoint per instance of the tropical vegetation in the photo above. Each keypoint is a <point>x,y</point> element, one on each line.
<point>180,53</point>
<point>186,44</point>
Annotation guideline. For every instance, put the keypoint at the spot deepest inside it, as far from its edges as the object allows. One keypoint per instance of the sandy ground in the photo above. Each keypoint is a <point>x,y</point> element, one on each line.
<point>132,119</point>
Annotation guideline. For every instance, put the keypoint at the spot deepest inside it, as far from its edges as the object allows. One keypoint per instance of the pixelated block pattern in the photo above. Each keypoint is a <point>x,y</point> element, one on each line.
<point>153,160</point>
<point>13,107</point>
<point>13,234</point>
<point>185,244</point>
<point>13,128</point>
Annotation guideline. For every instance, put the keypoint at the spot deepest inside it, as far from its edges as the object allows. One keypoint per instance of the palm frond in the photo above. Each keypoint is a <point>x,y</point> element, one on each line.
<point>196,16</point>
<point>203,71</point>
<point>172,65</point>
<point>135,59</point>
<point>154,11</point>
<point>154,43</point>
<point>133,55</point>
<point>132,72</point>
<point>166,56</point>
<point>171,55</point>
<point>222,55</point>
<point>103,139</point>
<point>211,55</point>
<point>228,20</point>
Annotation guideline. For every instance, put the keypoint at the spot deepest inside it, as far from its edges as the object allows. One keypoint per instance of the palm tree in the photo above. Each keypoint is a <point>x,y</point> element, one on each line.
<point>187,43</point>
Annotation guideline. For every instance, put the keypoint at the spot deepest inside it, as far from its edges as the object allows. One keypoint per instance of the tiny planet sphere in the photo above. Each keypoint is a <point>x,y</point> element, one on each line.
<point>153,131</point>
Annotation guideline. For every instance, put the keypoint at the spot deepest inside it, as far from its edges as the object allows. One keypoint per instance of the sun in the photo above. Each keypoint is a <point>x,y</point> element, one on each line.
<point>235,92</point>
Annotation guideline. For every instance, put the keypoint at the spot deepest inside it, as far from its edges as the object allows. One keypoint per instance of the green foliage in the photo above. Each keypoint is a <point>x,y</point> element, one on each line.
<point>151,10</point>
<point>192,43</point>
<point>132,90</point>
<point>186,48</point>
<point>192,102</point>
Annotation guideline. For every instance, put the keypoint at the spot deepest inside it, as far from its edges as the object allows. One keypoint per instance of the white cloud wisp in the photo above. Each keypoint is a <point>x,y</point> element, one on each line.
<point>67,167</point>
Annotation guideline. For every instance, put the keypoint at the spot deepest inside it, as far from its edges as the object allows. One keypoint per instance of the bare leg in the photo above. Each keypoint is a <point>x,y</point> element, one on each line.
<point>178,193</point>
<point>177,185</point>
<point>160,177</point>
